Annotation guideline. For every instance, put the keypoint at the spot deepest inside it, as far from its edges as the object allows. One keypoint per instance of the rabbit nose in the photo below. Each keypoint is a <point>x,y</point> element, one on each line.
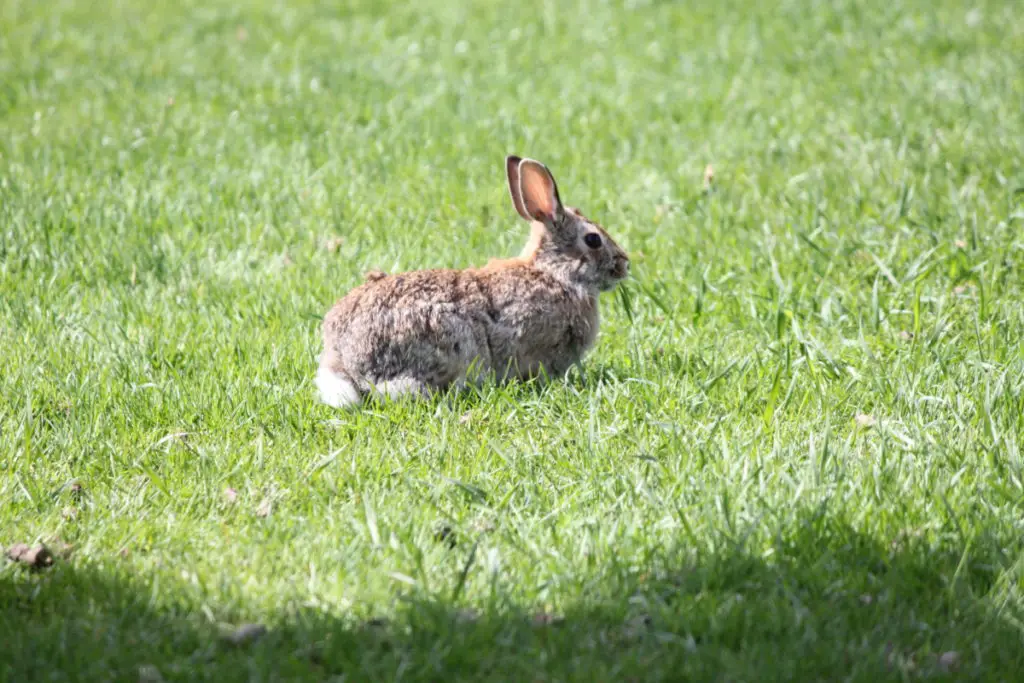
<point>622,266</point>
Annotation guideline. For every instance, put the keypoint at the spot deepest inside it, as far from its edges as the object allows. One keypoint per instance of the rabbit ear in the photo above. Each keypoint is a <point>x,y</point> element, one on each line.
<point>512,171</point>
<point>539,192</point>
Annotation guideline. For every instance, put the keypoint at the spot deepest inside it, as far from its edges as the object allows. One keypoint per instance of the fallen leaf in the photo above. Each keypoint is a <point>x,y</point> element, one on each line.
<point>904,538</point>
<point>180,437</point>
<point>887,654</point>
<point>376,622</point>
<point>483,526</point>
<point>637,626</point>
<point>865,420</point>
<point>467,616</point>
<point>149,674</point>
<point>445,534</point>
<point>264,508</point>
<point>546,619</point>
<point>246,633</point>
<point>230,495</point>
<point>36,557</point>
<point>901,660</point>
<point>949,661</point>
<point>314,653</point>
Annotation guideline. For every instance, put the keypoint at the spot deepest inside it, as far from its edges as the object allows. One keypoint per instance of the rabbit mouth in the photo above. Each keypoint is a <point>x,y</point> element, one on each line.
<point>609,285</point>
<point>618,273</point>
<point>621,270</point>
<point>614,279</point>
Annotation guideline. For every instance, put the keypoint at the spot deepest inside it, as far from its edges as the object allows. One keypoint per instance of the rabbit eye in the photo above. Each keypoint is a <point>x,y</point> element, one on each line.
<point>592,240</point>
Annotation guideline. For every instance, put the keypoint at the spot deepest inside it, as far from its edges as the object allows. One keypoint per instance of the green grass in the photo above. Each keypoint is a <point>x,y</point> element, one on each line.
<point>700,502</point>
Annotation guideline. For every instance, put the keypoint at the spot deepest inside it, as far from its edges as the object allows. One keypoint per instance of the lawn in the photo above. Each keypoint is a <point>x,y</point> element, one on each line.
<point>793,454</point>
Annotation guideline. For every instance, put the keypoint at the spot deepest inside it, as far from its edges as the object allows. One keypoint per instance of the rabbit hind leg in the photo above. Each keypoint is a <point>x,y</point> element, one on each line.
<point>401,387</point>
<point>336,390</point>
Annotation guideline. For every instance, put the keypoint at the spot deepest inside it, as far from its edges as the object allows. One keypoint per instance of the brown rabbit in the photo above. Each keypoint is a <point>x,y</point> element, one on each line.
<point>421,331</point>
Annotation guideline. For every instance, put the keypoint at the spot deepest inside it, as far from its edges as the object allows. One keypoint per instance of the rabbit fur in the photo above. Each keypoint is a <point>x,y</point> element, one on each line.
<point>534,315</point>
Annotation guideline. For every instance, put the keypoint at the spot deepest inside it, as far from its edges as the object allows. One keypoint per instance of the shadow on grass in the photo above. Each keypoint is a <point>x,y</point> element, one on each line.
<point>822,602</point>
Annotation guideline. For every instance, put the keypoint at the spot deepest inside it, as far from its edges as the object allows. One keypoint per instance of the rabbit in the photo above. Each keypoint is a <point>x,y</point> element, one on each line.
<point>535,315</point>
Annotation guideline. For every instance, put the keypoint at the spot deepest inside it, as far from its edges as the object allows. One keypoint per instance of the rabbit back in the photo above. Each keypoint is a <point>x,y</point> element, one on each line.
<point>431,329</point>
<point>423,325</point>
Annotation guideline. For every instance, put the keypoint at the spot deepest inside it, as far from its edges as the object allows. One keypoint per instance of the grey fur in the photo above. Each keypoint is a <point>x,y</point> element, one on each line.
<point>415,332</point>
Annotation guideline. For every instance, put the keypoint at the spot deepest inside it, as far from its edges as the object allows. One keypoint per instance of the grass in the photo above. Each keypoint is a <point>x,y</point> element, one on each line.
<point>795,453</point>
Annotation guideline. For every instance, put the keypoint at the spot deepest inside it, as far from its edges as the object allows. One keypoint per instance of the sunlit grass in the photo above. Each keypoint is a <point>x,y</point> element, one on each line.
<point>794,453</point>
